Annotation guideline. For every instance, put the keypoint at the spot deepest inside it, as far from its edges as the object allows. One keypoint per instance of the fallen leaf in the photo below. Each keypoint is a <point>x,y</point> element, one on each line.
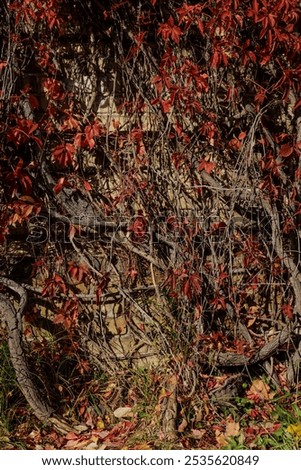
<point>220,438</point>
<point>123,412</point>
<point>294,429</point>
<point>79,443</point>
<point>100,434</point>
<point>81,428</point>
<point>172,381</point>
<point>142,447</point>
<point>198,433</point>
<point>110,389</point>
<point>232,429</point>
<point>260,390</point>
<point>71,436</point>
<point>92,446</point>
<point>100,425</point>
<point>163,394</point>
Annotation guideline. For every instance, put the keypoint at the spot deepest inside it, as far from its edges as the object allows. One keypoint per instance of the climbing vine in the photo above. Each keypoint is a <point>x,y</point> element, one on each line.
<point>151,161</point>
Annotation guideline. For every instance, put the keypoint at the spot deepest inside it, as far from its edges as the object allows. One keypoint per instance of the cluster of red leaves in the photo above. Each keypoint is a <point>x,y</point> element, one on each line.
<point>35,11</point>
<point>182,282</point>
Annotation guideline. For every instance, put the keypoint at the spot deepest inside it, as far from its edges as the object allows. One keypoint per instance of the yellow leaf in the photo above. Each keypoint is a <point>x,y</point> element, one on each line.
<point>294,429</point>
<point>163,394</point>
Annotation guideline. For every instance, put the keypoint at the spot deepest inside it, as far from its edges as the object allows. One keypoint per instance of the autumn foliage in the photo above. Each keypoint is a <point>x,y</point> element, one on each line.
<point>151,160</point>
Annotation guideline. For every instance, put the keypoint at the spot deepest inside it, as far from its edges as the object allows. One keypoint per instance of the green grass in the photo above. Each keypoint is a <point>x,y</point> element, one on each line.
<point>145,391</point>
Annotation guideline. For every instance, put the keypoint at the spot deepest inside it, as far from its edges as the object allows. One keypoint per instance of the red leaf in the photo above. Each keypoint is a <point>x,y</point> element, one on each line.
<point>92,131</point>
<point>287,310</point>
<point>80,140</point>
<point>297,104</point>
<point>26,183</point>
<point>139,226</point>
<point>157,81</point>
<point>207,166</point>
<point>255,7</point>
<point>54,89</point>
<point>192,286</point>
<point>87,185</point>
<point>18,168</point>
<point>195,280</point>
<point>187,290</point>
<point>59,185</point>
<point>58,318</point>
<point>215,59</point>
<point>200,26</point>
<point>70,123</point>
<point>166,105</point>
<point>64,154</point>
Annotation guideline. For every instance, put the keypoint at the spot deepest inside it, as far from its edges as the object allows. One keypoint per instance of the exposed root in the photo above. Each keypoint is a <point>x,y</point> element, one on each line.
<point>13,319</point>
<point>170,410</point>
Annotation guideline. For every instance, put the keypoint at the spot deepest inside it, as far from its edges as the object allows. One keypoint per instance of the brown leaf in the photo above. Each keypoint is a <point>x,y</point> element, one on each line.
<point>232,429</point>
<point>71,436</point>
<point>261,390</point>
<point>144,446</point>
<point>78,443</point>
<point>220,438</point>
<point>172,383</point>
